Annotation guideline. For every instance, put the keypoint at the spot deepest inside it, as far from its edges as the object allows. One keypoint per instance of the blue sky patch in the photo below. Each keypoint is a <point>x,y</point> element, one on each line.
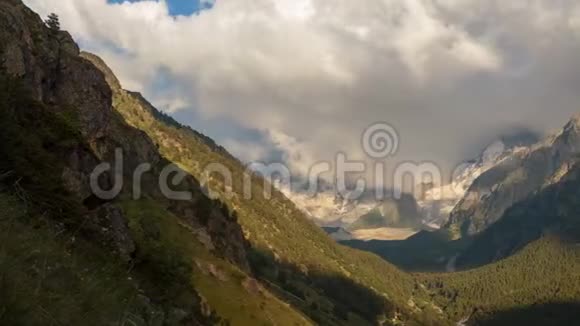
<point>179,7</point>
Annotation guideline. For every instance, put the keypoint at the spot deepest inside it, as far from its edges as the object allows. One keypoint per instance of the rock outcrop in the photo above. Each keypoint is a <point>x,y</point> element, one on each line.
<point>514,179</point>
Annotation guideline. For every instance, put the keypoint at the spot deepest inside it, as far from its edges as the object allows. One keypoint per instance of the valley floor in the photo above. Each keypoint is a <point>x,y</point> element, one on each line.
<point>386,234</point>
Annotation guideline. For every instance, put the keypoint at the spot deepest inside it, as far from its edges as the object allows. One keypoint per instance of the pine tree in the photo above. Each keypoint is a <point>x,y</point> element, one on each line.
<point>53,22</point>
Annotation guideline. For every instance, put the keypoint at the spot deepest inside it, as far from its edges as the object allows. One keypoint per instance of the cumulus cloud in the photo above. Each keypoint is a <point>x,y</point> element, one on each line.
<point>309,76</point>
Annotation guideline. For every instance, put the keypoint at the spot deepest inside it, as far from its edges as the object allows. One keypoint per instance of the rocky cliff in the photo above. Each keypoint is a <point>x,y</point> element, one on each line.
<point>552,211</point>
<point>515,178</point>
<point>51,68</point>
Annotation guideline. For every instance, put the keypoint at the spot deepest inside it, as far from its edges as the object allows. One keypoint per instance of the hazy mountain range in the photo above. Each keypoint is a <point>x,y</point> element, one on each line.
<point>431,210</point>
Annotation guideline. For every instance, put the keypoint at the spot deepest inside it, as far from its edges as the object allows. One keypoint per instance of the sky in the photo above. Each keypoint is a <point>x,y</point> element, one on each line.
<point>179,7</point>
<point>300,80</point>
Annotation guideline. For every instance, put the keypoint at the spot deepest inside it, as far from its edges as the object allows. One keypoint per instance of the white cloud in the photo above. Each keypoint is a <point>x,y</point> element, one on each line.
<point>449,74</point>
<point>295,9</point>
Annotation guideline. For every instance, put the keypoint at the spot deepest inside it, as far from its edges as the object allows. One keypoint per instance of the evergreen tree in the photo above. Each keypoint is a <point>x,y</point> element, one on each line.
<point>53,22</point>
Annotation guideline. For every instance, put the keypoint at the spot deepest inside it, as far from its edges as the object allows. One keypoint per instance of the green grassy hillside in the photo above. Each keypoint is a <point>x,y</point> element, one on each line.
<point>169,250</point>
<point>45,279</point>
<point>49,276</point>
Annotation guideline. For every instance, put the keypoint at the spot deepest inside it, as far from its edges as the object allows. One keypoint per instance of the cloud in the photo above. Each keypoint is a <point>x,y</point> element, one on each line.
<point>309,76</point>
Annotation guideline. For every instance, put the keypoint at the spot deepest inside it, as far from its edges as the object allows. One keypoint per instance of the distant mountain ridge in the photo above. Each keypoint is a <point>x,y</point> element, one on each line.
<point>432,209</point>
<point>514,179</point>
<point>552,211</point>
<point>328,207</point>
<point>438,203</point>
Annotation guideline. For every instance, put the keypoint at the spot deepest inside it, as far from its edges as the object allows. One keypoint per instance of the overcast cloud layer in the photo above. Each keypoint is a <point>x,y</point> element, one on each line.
<point>304,78</point>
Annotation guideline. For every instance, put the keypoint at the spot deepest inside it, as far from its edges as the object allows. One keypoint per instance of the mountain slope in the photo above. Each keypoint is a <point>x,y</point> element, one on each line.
<point>555,210</point>
<point>514,179</point>
<point>43,279</point>
<point>437,203</point>
<point>546,272</point>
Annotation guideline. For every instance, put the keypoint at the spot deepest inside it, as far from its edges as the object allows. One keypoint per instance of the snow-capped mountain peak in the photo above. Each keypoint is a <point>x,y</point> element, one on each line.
<point>438,202</point>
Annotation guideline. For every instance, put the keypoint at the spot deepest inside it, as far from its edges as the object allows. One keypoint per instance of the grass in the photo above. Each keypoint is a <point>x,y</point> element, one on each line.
<point>45,279</point>
<point>164,240</point>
